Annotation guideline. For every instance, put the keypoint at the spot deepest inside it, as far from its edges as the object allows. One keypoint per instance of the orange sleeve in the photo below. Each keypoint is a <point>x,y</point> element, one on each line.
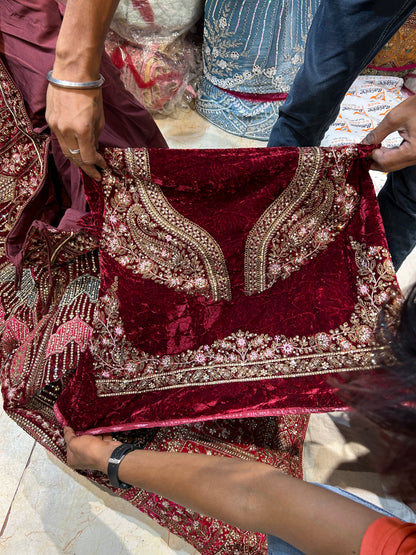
<point>389,536</point>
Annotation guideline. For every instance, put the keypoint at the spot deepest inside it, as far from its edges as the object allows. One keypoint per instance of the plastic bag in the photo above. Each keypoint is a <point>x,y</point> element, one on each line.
<point>161,74</point>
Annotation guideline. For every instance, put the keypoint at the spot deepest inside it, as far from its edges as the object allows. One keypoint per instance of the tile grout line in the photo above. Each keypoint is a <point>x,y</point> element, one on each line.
<point>6,520</point>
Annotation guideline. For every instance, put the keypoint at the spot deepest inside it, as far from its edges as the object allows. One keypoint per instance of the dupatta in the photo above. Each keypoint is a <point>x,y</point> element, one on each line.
<point>233,283</point>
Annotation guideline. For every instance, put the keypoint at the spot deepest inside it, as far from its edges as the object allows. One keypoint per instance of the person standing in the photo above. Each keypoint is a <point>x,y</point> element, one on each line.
<point>344,37</point>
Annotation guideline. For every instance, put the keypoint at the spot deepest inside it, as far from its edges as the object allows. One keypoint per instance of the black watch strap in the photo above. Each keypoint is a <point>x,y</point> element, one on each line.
<point>114,462</point>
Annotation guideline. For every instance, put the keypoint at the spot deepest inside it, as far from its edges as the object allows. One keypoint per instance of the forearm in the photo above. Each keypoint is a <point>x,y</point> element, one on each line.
<point>81,39</point>
<point>224,488</point>
<point>252,496</point>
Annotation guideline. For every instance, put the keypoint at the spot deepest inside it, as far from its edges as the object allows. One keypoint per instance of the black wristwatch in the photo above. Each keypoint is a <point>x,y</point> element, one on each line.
<point>114,462</point>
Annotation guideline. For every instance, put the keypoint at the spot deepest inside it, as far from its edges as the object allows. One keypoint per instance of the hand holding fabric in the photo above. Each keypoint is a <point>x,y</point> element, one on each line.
<point>402,118</point>
<point>88,452</point>
<point>76,115</point>
<point>77,119</point>
<point>247,494</point>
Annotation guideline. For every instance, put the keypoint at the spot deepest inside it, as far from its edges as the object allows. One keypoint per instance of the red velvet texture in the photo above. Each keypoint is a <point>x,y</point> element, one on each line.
<point>226,192</point>
<point>46,322</point>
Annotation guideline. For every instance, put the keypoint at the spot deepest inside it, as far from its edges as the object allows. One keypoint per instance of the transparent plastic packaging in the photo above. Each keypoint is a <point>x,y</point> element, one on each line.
<point>159,59</point>
<point>136,20</point>
<point>161,74</point>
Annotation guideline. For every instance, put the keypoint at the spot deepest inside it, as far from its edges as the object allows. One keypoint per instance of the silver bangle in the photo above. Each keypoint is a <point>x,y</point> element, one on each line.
<point>76,84</point>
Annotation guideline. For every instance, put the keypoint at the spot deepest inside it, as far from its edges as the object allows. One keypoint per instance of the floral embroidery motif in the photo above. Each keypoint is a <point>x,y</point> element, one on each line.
<point>145,234</point>
<point>303,220</point>
<point>244,356</point>
<point>23,155</point>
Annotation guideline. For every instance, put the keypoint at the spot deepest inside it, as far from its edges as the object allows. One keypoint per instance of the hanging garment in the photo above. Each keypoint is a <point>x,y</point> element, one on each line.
<point>251,54</point>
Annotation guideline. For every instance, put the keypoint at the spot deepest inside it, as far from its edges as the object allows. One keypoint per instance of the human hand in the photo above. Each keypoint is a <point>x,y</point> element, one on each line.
<point>88,452</point>
<point>401,118</point>
<point>77,119</point>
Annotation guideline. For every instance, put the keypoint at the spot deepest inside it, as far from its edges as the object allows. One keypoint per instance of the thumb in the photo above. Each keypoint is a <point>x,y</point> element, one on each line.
<point>393,159</point>
<point>379,133</point>
<point>68,434</point>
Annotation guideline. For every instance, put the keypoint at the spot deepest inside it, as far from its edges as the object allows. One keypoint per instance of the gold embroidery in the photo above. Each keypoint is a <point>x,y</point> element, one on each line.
<point>23,155</point>
<point>144,233</point>
<point>246,356</point>
<point>398,53</point>
<point>7,188</point>
<point>309,214</point>
<point>54,340</point>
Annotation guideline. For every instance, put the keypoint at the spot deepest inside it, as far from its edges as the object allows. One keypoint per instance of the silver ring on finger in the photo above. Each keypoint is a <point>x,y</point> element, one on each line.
<point>74,151</point>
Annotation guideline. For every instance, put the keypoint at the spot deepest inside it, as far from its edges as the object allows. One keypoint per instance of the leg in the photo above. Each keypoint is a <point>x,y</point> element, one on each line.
<point>344,37</point>
<point>397,201</point>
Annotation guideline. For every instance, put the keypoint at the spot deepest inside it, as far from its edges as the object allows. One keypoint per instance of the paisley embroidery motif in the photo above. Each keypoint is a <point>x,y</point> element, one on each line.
<point>246,356</point>
<point>144,233</point>
<point>302,221</point>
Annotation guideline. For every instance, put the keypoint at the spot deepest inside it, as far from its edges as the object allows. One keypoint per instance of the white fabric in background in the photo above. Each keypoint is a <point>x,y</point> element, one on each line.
<point>171,18</point>
<point>334,455</point>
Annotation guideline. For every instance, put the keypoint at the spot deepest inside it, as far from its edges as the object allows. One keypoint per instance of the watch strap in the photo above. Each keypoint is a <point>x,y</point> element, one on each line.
<point>114,462</point>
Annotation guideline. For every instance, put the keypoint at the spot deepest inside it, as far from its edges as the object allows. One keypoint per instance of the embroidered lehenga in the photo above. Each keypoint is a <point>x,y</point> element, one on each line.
<point>251,54</point>
<point>200,307</point>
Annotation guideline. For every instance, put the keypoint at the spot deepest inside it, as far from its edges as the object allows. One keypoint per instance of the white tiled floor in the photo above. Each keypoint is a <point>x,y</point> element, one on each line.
<point>46,509</point>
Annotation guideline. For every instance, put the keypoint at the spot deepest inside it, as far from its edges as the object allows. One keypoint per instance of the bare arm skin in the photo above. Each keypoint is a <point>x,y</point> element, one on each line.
<point>401,118</point>
<point>76,116</point>
<point>250,495</point>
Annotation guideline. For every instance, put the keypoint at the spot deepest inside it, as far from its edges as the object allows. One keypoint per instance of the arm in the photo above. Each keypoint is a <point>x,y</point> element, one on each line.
<point>249,495</point>
<point>76,116</point>
<point>402,118</point>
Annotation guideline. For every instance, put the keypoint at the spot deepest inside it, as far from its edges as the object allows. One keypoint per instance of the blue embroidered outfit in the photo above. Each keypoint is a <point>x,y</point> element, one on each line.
<point>251,53</point>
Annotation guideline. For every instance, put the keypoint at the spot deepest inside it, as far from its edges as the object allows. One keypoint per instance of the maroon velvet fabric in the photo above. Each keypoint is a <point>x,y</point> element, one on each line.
<point>266,97</point>
<point>163,354</point>
<point>46,323</point>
